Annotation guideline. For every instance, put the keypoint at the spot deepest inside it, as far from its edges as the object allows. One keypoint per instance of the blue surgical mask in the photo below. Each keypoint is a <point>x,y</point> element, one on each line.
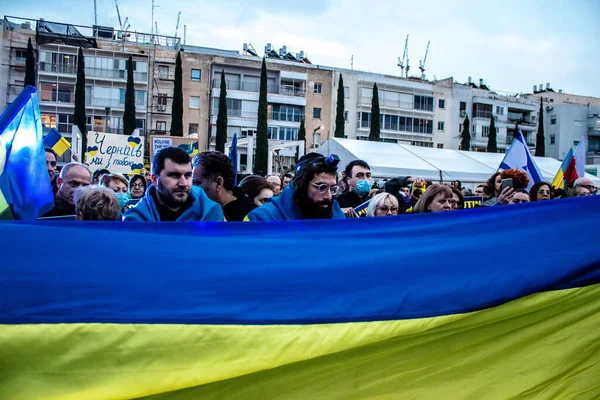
<point>363,186</point>
<point>123,199</point>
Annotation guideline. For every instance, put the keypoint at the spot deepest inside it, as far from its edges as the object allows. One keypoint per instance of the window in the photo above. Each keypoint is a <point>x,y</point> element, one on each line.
<point>440,145</point>
<point>575,142</point>
<point>552,139</point>
<point>365,120</point>
<point>281,112</point>
<point>499,110</point>
<point>161,126</point>
<point>194,102</point>
<point>21,55</point>
<point>318,88</point>
<point>346,92</point>
<point>553,120</point>
<point>440,125</point>
<point>422,144</point>
<point>163,71</point>
<point>196,75</point>
<point>140,98</point>
<point>485,131</point>
<point>162,99</point>
<point>346,116</point>
<point>193,128</point>
<point>316,113</point>
<point>423,103</point>
<point>463,106</point>
<point>271,132</point>
<point>442,104</point>
<point>533,118</point>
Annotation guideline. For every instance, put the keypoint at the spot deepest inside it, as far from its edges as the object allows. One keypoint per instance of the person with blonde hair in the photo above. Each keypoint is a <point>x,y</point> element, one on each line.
<point>383,205</point>
<point>118,184</point>
<point>96,203</point>
<point>435,199</point>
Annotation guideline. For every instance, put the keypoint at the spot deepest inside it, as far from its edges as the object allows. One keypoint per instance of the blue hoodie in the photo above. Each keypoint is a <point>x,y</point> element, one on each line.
<point>283,207</point>
<point>202,209</point>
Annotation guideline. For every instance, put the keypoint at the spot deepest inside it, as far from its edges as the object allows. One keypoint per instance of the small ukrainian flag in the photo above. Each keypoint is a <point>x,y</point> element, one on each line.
<point>56,142</point>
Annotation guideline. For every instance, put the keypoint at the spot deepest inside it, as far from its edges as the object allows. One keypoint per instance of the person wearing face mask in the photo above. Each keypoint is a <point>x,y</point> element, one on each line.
<point>119,185</point>
<point>358,177</point>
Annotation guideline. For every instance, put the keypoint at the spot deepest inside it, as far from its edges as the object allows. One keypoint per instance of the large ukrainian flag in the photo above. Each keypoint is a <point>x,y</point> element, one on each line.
<point>490,303</point>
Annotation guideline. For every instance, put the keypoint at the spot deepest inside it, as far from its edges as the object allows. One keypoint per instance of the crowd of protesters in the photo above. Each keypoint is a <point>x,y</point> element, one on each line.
<point>205,189</point>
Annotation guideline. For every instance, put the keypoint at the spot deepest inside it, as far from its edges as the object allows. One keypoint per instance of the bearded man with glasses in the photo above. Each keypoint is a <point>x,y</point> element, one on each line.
<point>72,176</point>
<point>309,196</point>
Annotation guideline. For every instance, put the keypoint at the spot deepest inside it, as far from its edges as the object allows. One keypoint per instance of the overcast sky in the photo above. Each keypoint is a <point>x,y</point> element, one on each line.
<point>511,44</point>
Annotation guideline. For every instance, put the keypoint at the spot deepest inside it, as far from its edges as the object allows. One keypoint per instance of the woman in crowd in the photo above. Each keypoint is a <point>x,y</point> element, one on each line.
<point>579,191</point>
<point>458,199</point>
<point>519,196</point>
<point>99,175</point>
<point>435,199</point>
<point>95,203</point>
<point>137,186</point>
<point>119,185</point>
<point>382,205</point>
<point>492,190</point>
<point>257,189</point>
<point>540,191</point>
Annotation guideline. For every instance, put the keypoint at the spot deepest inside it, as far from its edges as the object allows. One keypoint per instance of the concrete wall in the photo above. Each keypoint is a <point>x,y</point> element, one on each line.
<point>325,101</point>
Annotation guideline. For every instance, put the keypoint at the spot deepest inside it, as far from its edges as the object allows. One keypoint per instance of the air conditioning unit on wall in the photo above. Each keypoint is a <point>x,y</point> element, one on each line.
<point>162,107</point>
<point>463,113</point>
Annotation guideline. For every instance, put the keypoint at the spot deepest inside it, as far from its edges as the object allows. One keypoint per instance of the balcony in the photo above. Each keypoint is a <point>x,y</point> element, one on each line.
<point>254,87</point>
<point>109,74</point>
<point>482,114</point>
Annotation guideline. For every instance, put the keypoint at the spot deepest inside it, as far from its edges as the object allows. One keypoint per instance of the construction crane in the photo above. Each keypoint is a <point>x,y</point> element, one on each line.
<point>177,24</point>
<point>404,58</point>
<point>422,62</point>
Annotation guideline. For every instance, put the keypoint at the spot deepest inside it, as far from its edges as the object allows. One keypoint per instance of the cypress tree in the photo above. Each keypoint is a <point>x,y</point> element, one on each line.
<point>339,116</point>
<point>492,146</point>
<point>540,139</point>
<point>222,116</point>
<point>129,114</point>
<point>79,117</point>
<point>301,137</point>
<point>29,65</point>
<point>375,116</point>
<point>465,143</point>
<point>262,140</point>
<point>177,107</point>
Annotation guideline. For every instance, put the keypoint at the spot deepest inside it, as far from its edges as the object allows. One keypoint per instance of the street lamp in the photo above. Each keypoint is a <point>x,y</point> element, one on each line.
<point>107,109</point>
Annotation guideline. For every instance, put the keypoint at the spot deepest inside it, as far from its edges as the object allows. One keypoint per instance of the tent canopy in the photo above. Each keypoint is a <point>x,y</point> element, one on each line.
<point>389,160</point>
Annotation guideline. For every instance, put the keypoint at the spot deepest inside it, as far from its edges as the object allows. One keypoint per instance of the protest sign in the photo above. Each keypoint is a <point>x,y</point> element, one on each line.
<point>472,201</point>
<point>362,209</point>
<point>189,145</point>
<point>120,154</point>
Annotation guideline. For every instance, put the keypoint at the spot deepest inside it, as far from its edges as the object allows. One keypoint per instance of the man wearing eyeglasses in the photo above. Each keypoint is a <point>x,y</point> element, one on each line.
<point>309,196</point>
<point>586,183</point>
<point>72,176</point>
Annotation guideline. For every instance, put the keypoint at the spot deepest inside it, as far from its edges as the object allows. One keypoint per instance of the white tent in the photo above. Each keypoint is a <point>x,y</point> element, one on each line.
<point>389,160</point>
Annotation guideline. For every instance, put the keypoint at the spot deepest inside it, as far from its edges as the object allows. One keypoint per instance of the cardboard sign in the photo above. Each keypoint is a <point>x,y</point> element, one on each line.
<point>472,201</point>
<point>159,143</point>
<point>189,145</point>
<point>362,209</point>
<point>119,154</point>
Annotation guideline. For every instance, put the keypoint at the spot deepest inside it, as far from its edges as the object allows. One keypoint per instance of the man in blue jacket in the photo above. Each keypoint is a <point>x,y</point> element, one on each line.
<point>171,196</point>
<point>309,196</point>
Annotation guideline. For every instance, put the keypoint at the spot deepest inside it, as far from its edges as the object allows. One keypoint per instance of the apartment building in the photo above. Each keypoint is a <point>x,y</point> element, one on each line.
<point>106,54</point>
<point>412,111</point>
<point>568,118</point>
<point>509,111</point>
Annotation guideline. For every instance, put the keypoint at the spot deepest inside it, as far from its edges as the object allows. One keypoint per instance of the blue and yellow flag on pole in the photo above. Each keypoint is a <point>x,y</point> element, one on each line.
<point>25,190</point>
<point>56,142</point>
<point>484,303</point>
